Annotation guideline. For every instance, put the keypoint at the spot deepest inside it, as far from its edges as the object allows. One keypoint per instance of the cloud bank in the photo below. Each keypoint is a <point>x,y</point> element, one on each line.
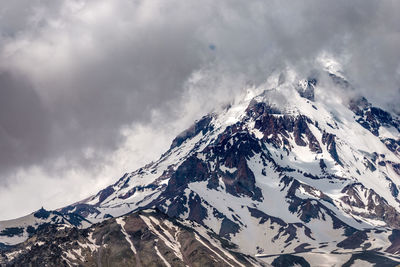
<point>90,89</point>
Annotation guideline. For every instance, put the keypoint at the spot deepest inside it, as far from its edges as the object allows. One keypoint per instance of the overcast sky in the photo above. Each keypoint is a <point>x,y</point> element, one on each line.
<point>91,89</point>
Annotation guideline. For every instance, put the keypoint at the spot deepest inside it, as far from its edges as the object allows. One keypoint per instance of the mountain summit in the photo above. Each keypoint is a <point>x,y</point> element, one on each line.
<point>290,173</point>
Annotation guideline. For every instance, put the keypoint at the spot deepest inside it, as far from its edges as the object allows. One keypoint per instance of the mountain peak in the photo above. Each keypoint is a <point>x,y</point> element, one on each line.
<point>284,169</point>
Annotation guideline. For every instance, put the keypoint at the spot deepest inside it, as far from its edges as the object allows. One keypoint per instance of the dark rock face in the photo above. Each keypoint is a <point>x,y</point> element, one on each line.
<point>377,206</point>
<point>372,118</point>
<point>200,126</point>
<point>232,149</point>
<point>105,193</point>
<point>75,219</point>
<point>4,247</point>
<point>290,260</point>
<point>276,129</point>
<point>256,109</point>
<point>301,128</point>
<point>177,207</point>
<point>392,145</point>
<point>396,167</point>
<point>383,117</point>
<point>197,211</point>
<point>12,231</point>
<point>394,238</point>
<point>358,105</point>
<point>264,217</point>
<point>393,189</point>
<point>322,165</point>
<point>307,90</point>
<point>42,214</point>
<point>80,209</point>
<point>308,209</point>
<point>191,170</point>
<point>354,241</point>
<point>328,139</point>
<point>352,198</point>
<point>228,227</point>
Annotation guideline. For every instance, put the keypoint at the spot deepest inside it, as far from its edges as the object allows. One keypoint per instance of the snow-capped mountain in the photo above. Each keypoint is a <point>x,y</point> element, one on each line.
<point>290,172</point>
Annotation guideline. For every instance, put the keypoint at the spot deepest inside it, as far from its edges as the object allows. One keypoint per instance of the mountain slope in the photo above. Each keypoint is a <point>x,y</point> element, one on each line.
<point>290,167</point>
<point>146,238</point>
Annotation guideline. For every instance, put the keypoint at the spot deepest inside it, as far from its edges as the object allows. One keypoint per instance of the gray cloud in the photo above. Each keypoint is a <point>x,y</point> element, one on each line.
<point>25,123</point>
<point>74,73</point>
